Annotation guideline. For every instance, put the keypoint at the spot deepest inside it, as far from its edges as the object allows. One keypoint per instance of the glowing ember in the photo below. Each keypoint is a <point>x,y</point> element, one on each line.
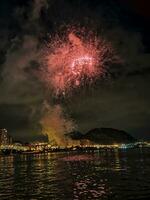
<point>72,61</point>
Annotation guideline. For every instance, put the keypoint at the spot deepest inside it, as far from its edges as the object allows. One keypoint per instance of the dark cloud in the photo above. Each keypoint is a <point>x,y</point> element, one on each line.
<point>22,93</point>
<point>123,104</point>
<point>120,101</point>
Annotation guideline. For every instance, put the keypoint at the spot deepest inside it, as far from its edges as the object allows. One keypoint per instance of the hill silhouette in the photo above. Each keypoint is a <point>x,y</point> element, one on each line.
<point>103,136</point>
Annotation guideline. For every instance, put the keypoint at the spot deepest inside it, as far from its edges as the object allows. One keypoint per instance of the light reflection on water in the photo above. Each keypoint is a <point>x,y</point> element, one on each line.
<point>102,175</point>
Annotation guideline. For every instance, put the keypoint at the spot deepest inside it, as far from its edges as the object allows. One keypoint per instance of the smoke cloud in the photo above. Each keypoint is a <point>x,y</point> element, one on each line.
<point>21,87</point>
<point>55,124</point>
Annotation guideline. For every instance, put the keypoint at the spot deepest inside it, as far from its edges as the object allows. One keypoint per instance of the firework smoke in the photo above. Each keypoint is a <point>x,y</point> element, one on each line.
<point>55,124</point>
<point>71,61</point>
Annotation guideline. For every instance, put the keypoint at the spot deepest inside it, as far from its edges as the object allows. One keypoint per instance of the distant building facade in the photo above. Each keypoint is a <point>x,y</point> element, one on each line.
<point>5,138</point>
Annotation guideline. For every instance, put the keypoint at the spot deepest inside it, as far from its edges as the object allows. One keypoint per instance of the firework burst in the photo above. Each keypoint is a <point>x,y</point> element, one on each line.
<point>73,60</point>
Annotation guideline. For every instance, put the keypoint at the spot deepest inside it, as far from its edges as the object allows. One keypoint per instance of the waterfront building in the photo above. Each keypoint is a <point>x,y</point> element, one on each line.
<point>5,138</point>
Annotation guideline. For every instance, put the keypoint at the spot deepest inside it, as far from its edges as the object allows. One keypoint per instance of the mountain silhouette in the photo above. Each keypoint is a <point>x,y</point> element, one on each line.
<point>103,136</point>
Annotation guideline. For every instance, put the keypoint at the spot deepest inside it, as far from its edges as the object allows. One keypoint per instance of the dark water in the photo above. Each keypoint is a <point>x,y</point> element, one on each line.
<point>79,176</point>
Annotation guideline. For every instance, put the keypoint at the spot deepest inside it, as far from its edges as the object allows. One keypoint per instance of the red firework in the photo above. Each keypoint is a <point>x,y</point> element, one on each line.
<point>71,61</point>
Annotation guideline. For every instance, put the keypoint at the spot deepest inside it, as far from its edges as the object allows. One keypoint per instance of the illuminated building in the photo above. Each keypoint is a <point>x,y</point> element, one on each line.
<point>5,139</point>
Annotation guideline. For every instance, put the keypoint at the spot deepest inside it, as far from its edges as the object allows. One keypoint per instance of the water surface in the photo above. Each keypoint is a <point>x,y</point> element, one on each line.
<point>105,174</point>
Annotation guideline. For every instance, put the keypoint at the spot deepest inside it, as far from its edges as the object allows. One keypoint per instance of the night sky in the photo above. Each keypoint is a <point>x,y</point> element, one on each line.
<point>119,100</point>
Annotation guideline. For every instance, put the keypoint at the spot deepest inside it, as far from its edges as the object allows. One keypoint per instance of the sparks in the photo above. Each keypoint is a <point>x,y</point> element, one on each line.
<point>72,61</point>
